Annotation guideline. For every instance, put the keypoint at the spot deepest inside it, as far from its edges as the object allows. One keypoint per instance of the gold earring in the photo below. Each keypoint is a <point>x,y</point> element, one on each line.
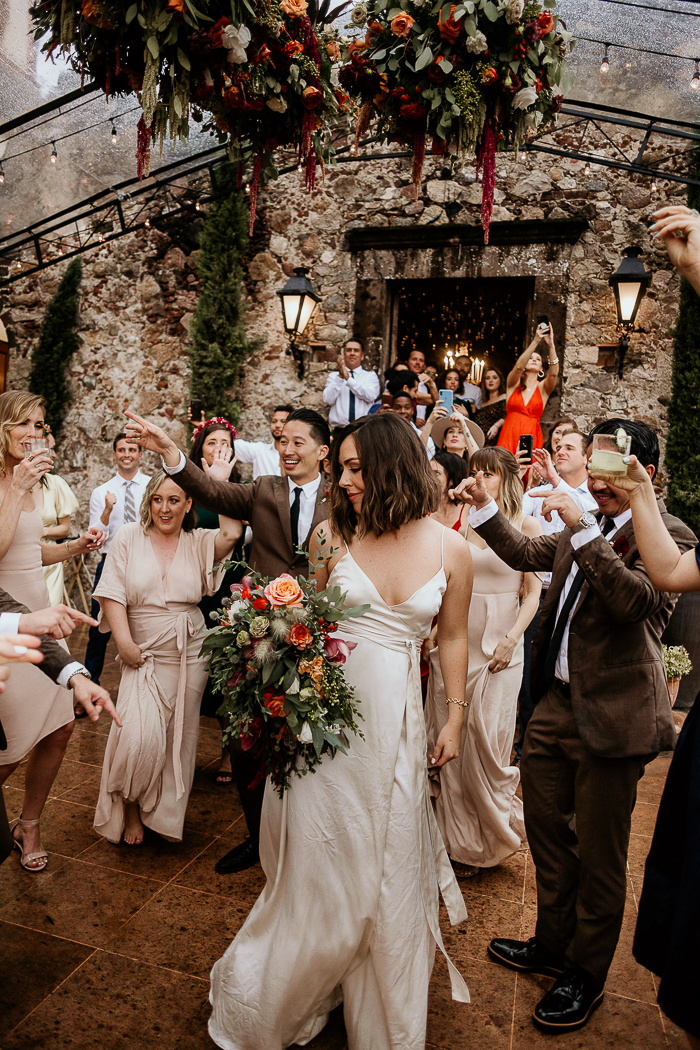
<point>540,374</point>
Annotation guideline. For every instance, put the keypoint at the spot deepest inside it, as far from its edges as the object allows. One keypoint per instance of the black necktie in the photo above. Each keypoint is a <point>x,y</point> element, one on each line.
<point>550,662</point>
<point>351,413</point>
<point>294,514</point>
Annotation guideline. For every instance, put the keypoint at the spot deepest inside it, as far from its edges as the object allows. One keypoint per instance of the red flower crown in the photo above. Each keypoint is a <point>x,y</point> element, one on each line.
<point>217,419</point>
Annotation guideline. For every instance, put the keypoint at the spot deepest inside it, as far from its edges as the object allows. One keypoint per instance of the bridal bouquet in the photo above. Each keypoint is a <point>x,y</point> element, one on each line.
<point>280,670</point>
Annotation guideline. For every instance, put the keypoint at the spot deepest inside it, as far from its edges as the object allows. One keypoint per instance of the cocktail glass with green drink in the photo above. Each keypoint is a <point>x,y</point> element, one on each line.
<point>609,453</point>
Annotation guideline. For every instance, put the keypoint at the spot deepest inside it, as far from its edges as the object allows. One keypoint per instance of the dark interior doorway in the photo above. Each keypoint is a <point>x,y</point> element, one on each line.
<point>486,317</point>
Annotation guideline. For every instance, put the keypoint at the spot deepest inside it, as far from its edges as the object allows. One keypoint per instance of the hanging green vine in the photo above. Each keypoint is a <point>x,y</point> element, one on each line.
<point>218,339</point>
<point>58,341</point>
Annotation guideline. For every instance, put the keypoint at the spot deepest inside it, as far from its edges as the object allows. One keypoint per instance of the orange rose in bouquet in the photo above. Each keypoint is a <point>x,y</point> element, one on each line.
<point>284,590</point>
<point>300,636</point>
<point>294,8</point>
<point>274,704</point>
<point>449,29</point>
<point>294,47</point>
<point>401,25</point>
<point>312,97</point>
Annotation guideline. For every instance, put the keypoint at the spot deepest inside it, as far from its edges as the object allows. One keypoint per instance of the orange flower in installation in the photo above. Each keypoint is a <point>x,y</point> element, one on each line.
<point>332,50</point>
<point>373,31</point>
<point>275,705</point>
<point>300,636</point>
<point>355,46</point>
<point>284,590</point>
<point>383,90</point>
<point>294,8</point>
<point>294,48</point>
<point>489,76</point>
<point>177,5</point>
<point>312,97</point>
<point>545,21</point>
<point>93,13</point>
<point>449,29</point>
<point>312,667</point>
<point>401,25</point>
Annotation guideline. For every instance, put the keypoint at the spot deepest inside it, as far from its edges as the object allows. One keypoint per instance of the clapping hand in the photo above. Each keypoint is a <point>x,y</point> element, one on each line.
<point>679,229</point>
<point>545,467</point>
<point>567,509</point>
<point>222,464</point>
<point>471,491</point>
<point>342,367</point>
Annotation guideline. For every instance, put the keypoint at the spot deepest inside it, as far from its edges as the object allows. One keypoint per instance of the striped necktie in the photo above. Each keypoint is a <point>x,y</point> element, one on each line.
<point>351,413</point>
<point>129,507</point>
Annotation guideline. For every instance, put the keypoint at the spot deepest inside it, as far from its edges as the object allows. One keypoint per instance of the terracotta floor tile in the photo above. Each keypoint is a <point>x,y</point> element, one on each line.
<point>644,819</point>
<point>14,881</point>
<point>211,807</point>
<point>66,828</point>
<point>182,929</point>
<point>72,774</point>
<point>115,1003</point>
<point>32,965</point>
<point>626,976</point>
<point>209,743</point>
<point>85,791</point>
<point>636,859</point>
<point>88,747</point>
<point>155,859</point>
<point>504,881</point>
<point>487,918</point>
<point>200,874</point>
<point>81,902</point>
<point>485,1022</point>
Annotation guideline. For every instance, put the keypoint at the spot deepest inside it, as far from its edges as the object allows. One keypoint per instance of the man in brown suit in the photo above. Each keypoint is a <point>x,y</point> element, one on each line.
<point>602,713</point>
<point>283,512</point>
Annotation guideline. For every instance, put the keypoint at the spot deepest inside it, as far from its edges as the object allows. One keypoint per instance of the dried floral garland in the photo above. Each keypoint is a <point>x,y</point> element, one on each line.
<point>258,67</point>
<point>476,76</point>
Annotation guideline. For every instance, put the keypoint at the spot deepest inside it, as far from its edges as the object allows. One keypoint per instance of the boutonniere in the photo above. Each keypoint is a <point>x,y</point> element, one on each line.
<point>621,546</point>
<point>324,500</point>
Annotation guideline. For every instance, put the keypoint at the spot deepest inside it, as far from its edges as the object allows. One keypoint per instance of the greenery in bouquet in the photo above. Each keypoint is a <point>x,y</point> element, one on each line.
<point>676,661</point>
<point>259,68</point>
<point>275,660</point>
<point>476,76</point>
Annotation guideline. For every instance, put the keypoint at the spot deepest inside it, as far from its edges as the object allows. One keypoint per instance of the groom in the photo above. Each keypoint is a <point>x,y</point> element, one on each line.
<point>283,512</point>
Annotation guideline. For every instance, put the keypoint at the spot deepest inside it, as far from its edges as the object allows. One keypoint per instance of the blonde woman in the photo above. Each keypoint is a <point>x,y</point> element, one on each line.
<point>59,503</point>
<point>477,810</point>
<point>36,714</point>
<point>154,577</point>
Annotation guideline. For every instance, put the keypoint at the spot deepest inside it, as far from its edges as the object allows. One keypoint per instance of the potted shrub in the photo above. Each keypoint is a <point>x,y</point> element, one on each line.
<point>677,663</point>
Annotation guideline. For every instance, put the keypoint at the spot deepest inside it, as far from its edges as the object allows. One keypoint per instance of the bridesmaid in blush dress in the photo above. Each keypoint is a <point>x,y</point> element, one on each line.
<point>528,389</point>
<point>352,854</point>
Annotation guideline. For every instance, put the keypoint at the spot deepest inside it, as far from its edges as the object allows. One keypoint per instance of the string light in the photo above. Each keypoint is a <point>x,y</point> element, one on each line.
<point>54,154</point>
<point>654,187</point>
<point>695,82</point>
<point>198,206</point>
<point>587,169</point>
<point>114,134</point>
<point>147,222</point>
<point>2,174</point>
<point>247,187</point>
<point>605,64</point>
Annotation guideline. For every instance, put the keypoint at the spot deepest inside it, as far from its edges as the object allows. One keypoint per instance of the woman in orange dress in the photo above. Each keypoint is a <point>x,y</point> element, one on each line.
<point>527,392</point>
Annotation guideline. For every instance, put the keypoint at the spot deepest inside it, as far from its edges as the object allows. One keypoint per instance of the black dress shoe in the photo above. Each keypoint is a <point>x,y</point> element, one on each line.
<point>526,956</point>
<point>239,858</point>
<point>569,1002</point>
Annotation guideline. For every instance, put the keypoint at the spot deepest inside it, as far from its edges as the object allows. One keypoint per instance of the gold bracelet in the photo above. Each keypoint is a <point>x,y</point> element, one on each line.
<point>454,700</point>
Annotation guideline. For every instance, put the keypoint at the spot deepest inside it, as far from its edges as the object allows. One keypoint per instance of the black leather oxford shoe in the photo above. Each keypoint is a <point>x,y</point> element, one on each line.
<point>526,956</point>
<point>569,1002</point>
<point>239,858</point>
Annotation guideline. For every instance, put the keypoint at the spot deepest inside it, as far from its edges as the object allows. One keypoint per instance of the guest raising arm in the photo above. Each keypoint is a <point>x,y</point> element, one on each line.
<point>527,391</point>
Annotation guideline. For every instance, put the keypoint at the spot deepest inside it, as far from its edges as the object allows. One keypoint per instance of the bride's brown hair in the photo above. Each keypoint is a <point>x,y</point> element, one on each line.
<point>399,484</point>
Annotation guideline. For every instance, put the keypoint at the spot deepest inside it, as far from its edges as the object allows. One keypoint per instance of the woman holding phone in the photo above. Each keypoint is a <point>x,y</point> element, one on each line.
<point>528,389</point>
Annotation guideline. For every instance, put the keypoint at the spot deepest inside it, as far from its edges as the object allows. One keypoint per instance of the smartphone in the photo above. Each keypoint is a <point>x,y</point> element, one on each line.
<point>196,410</point>
<point>387,399</point>
<point>543,323</point>
<point>526,444</point>
<point>448,399</point>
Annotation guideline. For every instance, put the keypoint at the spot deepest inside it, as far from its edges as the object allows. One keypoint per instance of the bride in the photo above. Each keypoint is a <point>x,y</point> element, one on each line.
<point>352,854</point>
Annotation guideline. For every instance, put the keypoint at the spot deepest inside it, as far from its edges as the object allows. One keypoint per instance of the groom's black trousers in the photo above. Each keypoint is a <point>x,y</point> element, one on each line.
<point>245,766</point>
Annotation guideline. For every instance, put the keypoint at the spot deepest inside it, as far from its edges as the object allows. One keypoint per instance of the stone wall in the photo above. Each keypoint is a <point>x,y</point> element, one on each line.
<point>139,293</point>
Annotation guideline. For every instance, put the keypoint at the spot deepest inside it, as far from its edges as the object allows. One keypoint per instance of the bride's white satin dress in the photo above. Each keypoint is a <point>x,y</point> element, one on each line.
<point>354,861</point>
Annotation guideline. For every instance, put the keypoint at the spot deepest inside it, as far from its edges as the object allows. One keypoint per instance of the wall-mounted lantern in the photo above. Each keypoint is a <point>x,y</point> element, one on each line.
<point>629,283</point>
<point>299,300</point>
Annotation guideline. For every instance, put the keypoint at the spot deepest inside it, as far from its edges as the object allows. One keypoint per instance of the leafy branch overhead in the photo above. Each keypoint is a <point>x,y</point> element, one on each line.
<point>58,341</point>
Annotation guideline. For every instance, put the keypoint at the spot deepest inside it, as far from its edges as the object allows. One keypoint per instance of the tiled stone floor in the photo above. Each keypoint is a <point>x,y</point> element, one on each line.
<point>112,947</point>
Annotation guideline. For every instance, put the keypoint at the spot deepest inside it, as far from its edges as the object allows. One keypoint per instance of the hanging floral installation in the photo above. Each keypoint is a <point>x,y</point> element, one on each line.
<point>260,70</point>
<point>474,77</point>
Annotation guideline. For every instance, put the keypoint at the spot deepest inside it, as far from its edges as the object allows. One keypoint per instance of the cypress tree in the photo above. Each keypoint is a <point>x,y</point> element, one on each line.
<point>58,341</point>
<point>218,338</point>
<point>683,446</point>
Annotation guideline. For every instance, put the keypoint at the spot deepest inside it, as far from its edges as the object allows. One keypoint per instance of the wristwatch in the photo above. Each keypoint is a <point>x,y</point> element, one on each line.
<point>587,520</point>
<point>83,671</point>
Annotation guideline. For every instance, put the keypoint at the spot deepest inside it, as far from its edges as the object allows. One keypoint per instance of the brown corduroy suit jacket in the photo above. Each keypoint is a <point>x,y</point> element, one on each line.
<point>265,504</point>
<point>619,695</point>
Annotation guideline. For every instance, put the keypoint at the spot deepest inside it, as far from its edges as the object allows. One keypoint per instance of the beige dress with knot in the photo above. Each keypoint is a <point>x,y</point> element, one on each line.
<point>151,759</point>
<point>31,706</point>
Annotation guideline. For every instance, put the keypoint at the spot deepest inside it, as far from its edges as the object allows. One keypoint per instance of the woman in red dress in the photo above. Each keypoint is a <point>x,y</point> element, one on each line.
<point>527,393</point>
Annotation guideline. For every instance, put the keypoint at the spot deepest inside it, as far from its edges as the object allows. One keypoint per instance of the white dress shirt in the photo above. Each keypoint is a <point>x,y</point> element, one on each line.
<point>472,393</point>
<point>264,457</point>
<point>430,447</point>
<point>307,503</point>
<point>533,506</point>
<point>363,383</point>
<point>117,486</point>
<point>420,409</point>
<point>578,540</point>
<point>9,624</point>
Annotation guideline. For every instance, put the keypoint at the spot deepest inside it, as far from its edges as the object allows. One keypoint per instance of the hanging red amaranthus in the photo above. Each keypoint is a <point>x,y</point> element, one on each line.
<point>486,161</point>
<point>143,149</point>
<point>255,182</point>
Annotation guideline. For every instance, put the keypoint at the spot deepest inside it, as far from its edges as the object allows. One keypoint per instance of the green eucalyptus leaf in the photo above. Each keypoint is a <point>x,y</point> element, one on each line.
<point>183,59</point>
<point>449,96</point>
<point>446,66</point>
<point>378,55</point>
<point>131,14</point>
<point>196,13</point>
<point>424,59</point>
<point>491,11</point>
<point>470,26</point>
<point>152,45</point>
<point>437,101</point>
<point>393,64</point>
<point>141,20</point>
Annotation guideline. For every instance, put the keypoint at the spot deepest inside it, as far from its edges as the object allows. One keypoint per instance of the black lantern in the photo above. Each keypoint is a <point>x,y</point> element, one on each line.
<point>629,283</point>
<point>299,301</point>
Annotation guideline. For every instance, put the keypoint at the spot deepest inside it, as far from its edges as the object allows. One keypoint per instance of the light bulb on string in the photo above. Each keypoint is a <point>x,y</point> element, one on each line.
<point>2,174</point>
<point>54,154</point>
<point>198,206</point>
<point>654,187</point>
<point>605,64</point>
<point>587,168</point>
<point>247,187</point>
<point>695,82</point>
<point>114,134</point>
<point>147,222</point>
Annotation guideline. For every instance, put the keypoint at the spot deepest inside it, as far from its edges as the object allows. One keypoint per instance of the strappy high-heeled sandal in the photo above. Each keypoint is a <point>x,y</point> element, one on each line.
<point>25,859</point>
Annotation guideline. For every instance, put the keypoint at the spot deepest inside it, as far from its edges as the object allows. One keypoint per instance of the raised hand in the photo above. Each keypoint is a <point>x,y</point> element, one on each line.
<point>110,501</point>
<point>222,464</point>
<point>30,471</point>
<point>679,229</point>
<point>342,367</point>
<point>151,437</point>
<point>471,491</point>
<point>438,412</point>
<point>634,482</point>
<point>545,467</point>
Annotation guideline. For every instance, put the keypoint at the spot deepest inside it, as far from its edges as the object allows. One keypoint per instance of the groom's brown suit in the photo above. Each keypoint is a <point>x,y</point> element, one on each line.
<point>265,504</point>
<point>587,742</point>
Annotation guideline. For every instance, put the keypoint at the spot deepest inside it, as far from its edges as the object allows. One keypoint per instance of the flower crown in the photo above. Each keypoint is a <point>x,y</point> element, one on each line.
<point>217,419</point>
